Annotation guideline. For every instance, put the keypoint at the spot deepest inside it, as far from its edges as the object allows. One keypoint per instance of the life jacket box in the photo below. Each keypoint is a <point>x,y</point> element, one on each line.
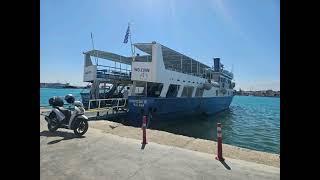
<point>56,101</point>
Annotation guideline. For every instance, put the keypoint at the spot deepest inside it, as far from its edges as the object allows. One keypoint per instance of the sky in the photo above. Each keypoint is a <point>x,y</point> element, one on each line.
<point>244,34</point>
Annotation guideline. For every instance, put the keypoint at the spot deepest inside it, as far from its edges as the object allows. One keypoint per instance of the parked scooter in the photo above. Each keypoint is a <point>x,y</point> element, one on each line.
<point>60,117</point>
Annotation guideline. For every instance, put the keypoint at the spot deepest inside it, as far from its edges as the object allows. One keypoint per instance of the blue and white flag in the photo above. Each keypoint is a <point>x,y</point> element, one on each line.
<point>127,35</point>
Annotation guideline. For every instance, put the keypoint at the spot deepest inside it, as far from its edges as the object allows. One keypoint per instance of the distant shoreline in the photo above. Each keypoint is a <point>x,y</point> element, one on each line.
<point>261,93</point>
<point>61,86</point>
<point>65,87</point>
<point>259,96</point>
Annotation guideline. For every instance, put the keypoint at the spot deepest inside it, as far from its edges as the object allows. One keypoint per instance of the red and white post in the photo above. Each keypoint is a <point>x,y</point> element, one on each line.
<point>144,127</point>
<point>219,143</point>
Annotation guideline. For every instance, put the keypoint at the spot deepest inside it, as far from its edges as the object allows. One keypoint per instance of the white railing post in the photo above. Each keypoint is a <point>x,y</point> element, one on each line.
<point>118,104</point>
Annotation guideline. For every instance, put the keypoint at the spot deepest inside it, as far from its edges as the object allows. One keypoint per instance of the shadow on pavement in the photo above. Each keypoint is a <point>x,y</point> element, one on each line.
<point>143,146</point>
<point>65,135</point>
<point>225,165</point>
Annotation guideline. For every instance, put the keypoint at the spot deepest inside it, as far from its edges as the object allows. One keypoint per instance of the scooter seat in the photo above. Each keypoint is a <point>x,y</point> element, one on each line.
<point>65,112</point>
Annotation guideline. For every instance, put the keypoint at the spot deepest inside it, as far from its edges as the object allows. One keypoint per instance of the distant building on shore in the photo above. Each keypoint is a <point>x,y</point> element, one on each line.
<point>58,85</point>
<point>52,85</point>
<point>263,93</point>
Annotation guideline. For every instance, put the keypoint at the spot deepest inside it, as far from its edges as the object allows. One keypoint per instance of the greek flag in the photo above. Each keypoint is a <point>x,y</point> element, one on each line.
<point>127,35</point>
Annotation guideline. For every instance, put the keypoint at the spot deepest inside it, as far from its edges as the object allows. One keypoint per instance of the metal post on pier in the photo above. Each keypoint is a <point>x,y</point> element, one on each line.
<point>144,127</point>
<point>219,143</point>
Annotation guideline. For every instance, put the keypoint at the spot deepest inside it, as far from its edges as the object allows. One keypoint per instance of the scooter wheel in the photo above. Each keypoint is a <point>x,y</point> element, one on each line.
<point>81,127</point>
<point>52,126</point>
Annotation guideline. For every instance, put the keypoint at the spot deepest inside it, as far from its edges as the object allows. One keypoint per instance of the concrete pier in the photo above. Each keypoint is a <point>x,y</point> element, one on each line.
<point>104,155</point>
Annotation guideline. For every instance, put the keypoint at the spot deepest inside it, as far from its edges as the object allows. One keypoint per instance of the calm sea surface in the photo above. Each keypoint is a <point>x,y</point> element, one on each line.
<point>250,122</point>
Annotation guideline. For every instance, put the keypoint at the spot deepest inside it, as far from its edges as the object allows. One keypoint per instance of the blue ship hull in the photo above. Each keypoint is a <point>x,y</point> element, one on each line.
<point>166,109</point>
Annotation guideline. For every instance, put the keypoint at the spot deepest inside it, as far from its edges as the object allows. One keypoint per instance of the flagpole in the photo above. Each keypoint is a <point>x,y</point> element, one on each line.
<point>96,58</point>
<point>132,52</point>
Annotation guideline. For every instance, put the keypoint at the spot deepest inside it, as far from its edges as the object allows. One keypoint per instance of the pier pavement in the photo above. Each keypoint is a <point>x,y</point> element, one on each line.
<point>100,155</point>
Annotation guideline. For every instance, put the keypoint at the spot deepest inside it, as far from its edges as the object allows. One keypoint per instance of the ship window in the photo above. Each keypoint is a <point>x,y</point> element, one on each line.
<point>188,81</point>
<point>216,92</point>
<point>187,91</point>
<point>178,79</point>
<point>139,89</point>
<point>153,89</point>
<point>143,58</point>
<point>184,81</point>
<point>173,90</point>
<point>199,92</point>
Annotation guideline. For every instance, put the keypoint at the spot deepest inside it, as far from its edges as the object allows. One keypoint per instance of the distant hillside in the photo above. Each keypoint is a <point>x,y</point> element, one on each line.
<point>59,85</point>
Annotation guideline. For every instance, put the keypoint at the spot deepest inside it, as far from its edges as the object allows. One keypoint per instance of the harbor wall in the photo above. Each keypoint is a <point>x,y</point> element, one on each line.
<point>195,144</point>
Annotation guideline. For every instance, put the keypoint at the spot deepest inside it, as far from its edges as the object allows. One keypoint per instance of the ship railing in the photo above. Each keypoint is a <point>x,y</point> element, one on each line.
<point>113,72</point>
<point>107,104</point>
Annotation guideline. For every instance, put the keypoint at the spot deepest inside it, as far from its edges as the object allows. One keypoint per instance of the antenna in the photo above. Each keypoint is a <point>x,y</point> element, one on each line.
<point>232,68</point>
<point>93,48</point>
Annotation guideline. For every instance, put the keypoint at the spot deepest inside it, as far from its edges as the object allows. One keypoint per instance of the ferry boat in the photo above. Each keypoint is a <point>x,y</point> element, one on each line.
<point>163,83</point>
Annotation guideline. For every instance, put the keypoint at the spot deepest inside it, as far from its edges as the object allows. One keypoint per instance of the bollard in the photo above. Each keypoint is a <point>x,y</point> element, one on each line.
<point>144,127</point>
<point>219,143</point>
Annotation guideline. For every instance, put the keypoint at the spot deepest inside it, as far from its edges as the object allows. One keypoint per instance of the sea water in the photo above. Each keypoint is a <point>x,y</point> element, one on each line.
<point>47,93</point>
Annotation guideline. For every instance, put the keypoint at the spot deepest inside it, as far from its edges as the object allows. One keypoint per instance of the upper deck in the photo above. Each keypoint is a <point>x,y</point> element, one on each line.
<point>173,60</point>
<point>156,57</point>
